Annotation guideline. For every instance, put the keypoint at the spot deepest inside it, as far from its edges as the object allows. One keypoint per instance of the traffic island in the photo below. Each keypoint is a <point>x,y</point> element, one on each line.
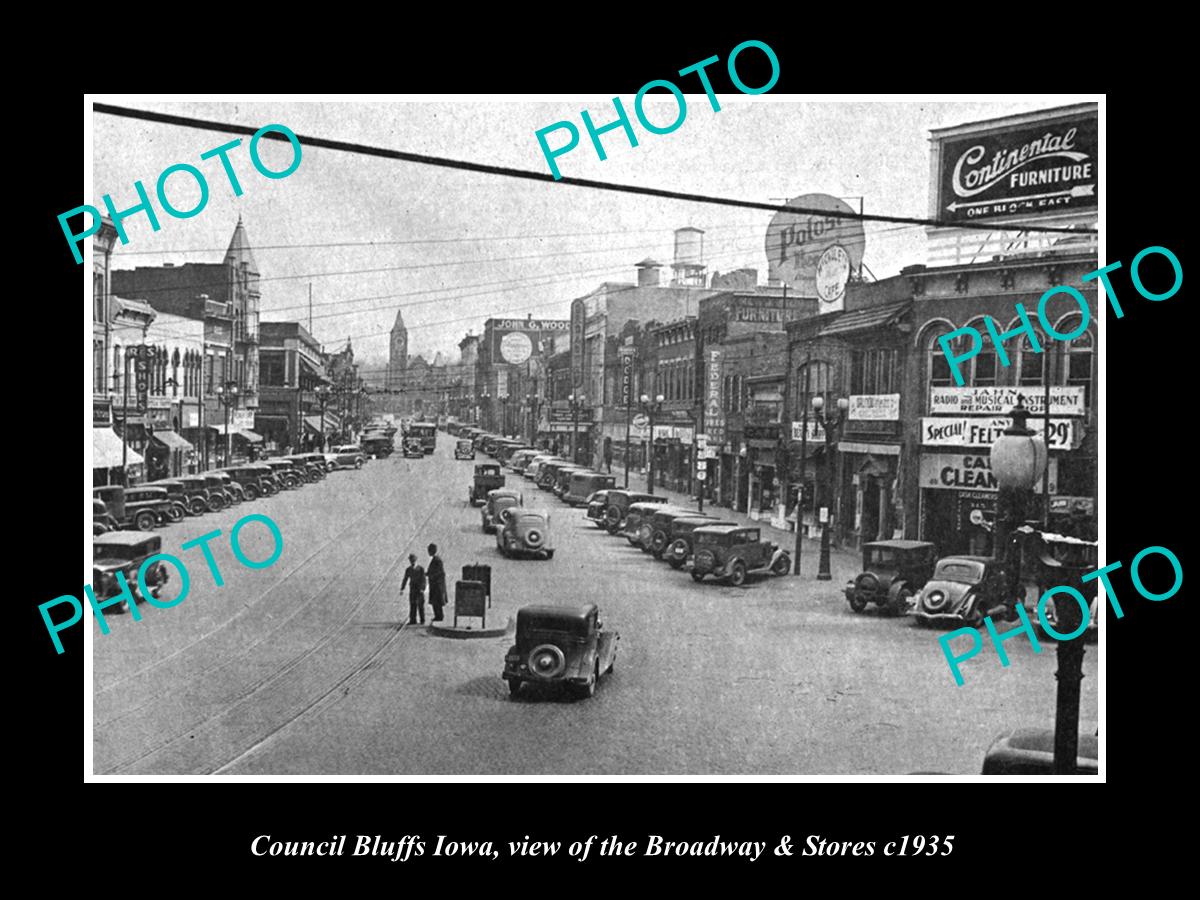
<point>467,631</point>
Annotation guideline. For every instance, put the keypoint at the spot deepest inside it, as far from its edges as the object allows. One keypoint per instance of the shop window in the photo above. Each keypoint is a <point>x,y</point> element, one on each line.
<point>873,371</point>
<point>981,370</point>
<point>98,297</point>
<point>937,367</point>
<point>820,383</point>
<point>1079,356</point>
<point>1031,367</point>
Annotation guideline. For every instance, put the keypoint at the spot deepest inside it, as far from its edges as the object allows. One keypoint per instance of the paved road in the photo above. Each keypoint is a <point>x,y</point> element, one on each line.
<point>305,667</point>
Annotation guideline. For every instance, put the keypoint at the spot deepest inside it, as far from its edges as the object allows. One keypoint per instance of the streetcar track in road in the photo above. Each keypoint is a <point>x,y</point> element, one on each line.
<point>188,733</point>
<point>247,607</point>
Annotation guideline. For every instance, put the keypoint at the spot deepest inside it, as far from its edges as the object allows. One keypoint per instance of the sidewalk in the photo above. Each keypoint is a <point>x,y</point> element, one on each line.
<point>844,563</point>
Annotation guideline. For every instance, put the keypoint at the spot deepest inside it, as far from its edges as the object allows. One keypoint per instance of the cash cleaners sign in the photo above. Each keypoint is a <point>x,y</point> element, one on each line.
<point>968,471</point>
<point>1049,166</point>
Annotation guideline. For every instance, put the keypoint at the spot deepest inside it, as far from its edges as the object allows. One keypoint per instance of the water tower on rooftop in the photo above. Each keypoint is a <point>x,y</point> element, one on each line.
<point>688,267</point>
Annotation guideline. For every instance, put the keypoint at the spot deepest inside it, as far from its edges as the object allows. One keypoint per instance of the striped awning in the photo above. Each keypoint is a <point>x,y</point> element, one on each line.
<point>108,451</point>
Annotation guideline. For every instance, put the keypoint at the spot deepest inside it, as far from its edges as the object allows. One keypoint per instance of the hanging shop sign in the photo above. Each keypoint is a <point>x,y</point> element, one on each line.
<point>998,401</point>
<point>578,322</point>
<point>813,252</point>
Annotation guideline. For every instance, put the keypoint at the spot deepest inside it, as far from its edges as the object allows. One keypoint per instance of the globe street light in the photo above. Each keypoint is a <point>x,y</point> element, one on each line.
<point>829,422</point>
<point>227,396</point>
<point>651,409</point>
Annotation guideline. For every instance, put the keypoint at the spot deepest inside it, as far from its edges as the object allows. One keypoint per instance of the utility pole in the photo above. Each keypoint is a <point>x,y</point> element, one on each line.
<point>310,307</point>
<point>803,461</point>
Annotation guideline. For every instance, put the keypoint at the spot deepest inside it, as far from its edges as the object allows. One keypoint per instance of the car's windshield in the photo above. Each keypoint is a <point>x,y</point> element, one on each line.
<point>961,570</point>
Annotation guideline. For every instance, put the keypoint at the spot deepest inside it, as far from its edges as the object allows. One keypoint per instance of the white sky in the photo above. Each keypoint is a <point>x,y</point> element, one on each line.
<point>756,148</point>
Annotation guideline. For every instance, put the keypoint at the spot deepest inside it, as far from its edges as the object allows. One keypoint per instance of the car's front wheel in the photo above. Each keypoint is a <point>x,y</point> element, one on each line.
<point>697,576</point>
<point>177,512</point>
<point>737,573</point>
<point>197,507</point>
<point>514,686</point>
<point>586,691</point>
<point>358,463</point>
<point>857,602</point>
<point>145,520</point>
<point>783,565</point>
<point>902,601</point>
<point>549,554</point>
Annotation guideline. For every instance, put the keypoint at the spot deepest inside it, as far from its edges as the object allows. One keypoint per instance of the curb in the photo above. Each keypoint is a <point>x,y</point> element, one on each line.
<point>463,632</point>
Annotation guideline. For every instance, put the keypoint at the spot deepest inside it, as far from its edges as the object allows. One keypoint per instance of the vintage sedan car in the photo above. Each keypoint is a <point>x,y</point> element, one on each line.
<point>547,475</point>
<point>143,511</point>
<point>464,448</point>
<point>961,591</point>
<point>563,479</point>
<point>413,448</point>
<point>619,502</point>
<point>533,469</point>
<point>286,475</point>
<point>102,521</point>
<point>497,506</point>
<point>152,496</point>
<point>124,552</point>
<point>349,456</point>
<point>488,477</point>
<point>679,548</point>
<point>313,462</point>
<point>660,527</point>
<point>637,520</point>
<point>525,532</point>
<point>178,497</point>
<point>583,484</point>
<point>520,460</point>
<point>506,449</point>
<point>734,552</point>
<point>254,481</point>
<point>1030,751</point>
<point>220,480</point>
<point>893,572</point>
<point>596,504</point>
<point>199,497</point>
<point>564,644</point>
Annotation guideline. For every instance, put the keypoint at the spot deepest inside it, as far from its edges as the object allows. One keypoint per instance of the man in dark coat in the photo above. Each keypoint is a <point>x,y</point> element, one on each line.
<point>437,583</point>
<point>414,579</point>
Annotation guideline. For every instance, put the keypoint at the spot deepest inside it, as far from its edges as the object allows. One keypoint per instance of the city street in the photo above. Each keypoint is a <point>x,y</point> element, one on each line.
<point>305,667</point>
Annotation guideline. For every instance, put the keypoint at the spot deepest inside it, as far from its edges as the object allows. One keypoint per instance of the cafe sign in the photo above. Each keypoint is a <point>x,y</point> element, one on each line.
<point>999,401</point>
<point>964,431</point>
<point>968,471</point>
<point>874,407</point>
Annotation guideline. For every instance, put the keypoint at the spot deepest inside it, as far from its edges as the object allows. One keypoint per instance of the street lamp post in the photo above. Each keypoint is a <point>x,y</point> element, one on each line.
<point>1018,459</point>
<point>227,395</point>
<point>651,409</point>
<point>829,422</point>
<point>576,401</point>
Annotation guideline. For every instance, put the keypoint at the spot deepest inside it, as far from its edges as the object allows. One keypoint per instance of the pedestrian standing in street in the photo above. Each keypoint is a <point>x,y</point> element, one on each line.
<point>414,580</point>
<point>437,583</point>
<point>608,454</point>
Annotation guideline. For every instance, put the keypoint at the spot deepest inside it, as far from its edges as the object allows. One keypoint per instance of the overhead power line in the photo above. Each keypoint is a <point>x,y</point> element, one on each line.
<point>546,178</point>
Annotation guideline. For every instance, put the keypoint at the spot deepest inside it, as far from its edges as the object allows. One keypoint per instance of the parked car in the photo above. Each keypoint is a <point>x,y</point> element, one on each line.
<point>525,532</point>
<point>267,478</point>
<point>533,469</point>
<point>679,546</point>
<point>637,520</point>
<point>562,479</point>
<point>548,471</point>
<point>596,504</point>
<point>619,502</point>
<point>961,591</point>
<point>488,477</point>
<point>413,448</point>
<point>224,481</point>
<point>200,499</point>
<point>490,442</point>
<point>464,448</point>
<point>102,520</point>
<point>519,460</point>
<point>497,506</point>
<point>506,449</point>
<point>124,552</point>
<point>734,552</point>
<point>178,498</point>
<point>583,484</point>
<point>348,456</point>
<point>137,507</point>
<point>312,464</point>
<point>286,475</point>
<point>219,497</point>
<point>1030,751</point>
<point>893,572</point>
<point>660,527</point>
<point>564,644</point>
<point>251,478</point>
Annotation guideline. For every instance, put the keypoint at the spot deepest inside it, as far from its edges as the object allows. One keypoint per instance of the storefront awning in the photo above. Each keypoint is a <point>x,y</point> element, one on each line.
<point>247,435</point>
<point>171,440</point>
<point>107,450</point>
<point>314,423</point>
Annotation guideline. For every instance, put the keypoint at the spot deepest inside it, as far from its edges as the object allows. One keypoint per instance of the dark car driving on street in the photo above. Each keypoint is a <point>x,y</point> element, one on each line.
<point>560,644</point>
<point>961,591</point>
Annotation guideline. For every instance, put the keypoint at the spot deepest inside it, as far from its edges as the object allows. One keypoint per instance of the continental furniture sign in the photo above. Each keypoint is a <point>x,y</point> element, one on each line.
<point>1049,166</point>
<point>999,401</point>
